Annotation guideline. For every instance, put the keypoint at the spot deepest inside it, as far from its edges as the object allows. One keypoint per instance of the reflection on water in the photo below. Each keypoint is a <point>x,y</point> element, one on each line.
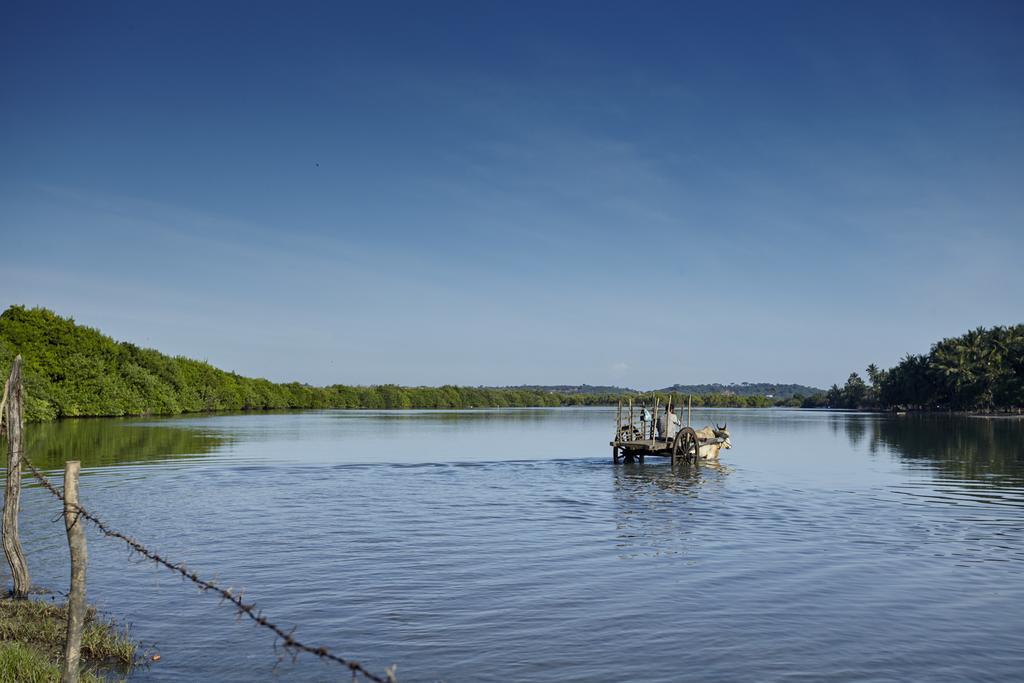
<point>855,430</point>
<point>648,498</point>
<point>99,443</point>
<point>991,449</point>
<point>680,478</point>
<point>137,441</point>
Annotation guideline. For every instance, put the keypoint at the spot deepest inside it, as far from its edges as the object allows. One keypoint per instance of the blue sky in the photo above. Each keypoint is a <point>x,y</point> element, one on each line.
<point>507,192</point>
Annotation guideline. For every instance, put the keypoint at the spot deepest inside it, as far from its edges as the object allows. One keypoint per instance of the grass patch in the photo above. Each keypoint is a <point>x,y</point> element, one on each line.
<point>31,627</point>
<point>20,663</point>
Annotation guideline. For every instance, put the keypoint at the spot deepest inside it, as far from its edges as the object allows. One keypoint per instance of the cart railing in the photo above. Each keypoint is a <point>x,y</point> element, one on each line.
<point>635,422</point>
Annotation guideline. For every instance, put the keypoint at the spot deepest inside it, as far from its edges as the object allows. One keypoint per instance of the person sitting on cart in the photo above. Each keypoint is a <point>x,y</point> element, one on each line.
<point>668,424</point>
<point>645,422</point>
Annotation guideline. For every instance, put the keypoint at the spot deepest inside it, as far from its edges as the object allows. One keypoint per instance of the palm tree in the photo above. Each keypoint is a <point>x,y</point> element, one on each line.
<point>876,378</point>
<point>1008,357</point>
<point>949,358</point>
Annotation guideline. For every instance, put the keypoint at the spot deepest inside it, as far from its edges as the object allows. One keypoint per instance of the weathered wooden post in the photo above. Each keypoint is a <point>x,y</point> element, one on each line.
<point>643,423</point>
<point>654,420</point>
<point>618,430</point>
<point>668,425</point>
<point>14,418</point>
<point>75,526</point>
<point>689,406</point>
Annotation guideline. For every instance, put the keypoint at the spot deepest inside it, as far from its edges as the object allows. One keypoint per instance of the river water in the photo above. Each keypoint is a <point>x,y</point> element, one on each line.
<point>504,545</point>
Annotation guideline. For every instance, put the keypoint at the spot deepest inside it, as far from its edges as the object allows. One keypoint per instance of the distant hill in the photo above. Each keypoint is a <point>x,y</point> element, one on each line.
<point>777,391</point>
<point>764,389</point>
<point>582,389</point>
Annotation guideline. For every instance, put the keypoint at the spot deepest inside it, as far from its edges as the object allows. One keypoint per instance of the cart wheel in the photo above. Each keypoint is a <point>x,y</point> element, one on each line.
<point>686,445</point>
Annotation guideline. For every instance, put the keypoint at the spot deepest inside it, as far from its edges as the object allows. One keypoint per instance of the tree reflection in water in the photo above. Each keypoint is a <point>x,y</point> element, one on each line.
<point>108,442</point>
<point>989,449</point>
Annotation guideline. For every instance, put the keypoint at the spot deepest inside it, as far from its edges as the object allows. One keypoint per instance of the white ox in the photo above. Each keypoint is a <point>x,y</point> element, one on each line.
<point>710,451</point>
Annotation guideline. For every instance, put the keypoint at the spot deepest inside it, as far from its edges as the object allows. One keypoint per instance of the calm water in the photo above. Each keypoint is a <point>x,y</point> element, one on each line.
<point>505,546</point>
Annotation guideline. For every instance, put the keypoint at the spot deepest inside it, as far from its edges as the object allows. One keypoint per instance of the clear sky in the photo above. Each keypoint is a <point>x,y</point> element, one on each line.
<point>512,192</point>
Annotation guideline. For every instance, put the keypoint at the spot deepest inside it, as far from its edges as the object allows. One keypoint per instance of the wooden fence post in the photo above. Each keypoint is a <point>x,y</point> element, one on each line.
<point>15,421</point>
<point>79,559</point>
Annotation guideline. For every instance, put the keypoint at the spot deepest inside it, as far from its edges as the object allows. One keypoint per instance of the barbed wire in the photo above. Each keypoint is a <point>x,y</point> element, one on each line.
<point>291,644</point>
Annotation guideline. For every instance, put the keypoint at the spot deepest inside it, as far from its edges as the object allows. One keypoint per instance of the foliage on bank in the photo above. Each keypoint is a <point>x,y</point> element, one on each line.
<point>75,371</point>
<point>980,371</point>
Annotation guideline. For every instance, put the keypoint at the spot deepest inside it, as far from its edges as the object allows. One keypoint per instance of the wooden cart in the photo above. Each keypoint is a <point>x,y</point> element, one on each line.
<point>635,438</point>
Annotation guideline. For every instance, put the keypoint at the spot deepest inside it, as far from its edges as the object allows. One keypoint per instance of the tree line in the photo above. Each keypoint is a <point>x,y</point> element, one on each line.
<point>980,371</point>
<point>75,371</point>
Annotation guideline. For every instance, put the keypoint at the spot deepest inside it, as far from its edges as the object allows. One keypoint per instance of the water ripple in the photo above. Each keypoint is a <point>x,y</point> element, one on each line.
<point>817,550</point>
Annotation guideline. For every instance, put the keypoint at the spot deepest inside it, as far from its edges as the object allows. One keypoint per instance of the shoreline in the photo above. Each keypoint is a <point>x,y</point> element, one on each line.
<point>272,411</point>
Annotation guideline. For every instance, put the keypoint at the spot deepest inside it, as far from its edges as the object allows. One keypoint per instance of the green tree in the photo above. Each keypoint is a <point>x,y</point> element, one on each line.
<point>854,392</point>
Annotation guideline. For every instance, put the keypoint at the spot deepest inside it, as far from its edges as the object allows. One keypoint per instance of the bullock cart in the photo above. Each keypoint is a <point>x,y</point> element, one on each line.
<point>636,437</point>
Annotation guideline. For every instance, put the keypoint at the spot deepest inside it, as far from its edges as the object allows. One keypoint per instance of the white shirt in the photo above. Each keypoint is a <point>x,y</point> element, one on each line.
<point>673,425</point>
